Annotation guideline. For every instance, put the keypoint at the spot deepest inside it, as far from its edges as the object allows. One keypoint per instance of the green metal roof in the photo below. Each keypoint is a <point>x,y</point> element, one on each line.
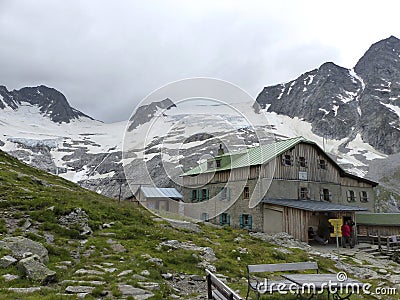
<point>249,157</point>
<point>387,219</point>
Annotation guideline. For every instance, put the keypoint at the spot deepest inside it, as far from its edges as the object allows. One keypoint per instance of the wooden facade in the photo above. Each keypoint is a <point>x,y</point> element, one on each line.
<point>301,171</point>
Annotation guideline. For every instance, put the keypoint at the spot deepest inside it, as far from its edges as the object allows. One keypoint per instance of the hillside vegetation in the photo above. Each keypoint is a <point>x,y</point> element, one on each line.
<point>125,237</point>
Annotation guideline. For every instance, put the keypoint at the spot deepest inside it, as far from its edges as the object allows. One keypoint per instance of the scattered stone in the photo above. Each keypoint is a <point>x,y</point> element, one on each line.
<point>118,248</point>
<point>382,271</point>
<point>185,225</point>
<point>9,277</point>
<point>61,267</point>
<point>167,276</point>
<point>83,282</point>
<point>282,239</point>
<point>152,286</point>
<point>155,260</point>
<point>35,270</point>
<point>197,278</point>
<point>79,289</point>
<point>110,241</point>
<point>25,290</point>
<point>108,264</point>
<point>27,224</point>
<point>124,273</point>
<point>243,250</point>
<point>107,233</point>
<point>106,225</point>
<point>79,218</point>
<point>140,277</point>
<point>110,270</point>
<point>145,273</point>
<point>88,272</point>
<point>49,238</point>
<point>19,245</point>
<point>238,240</point>
<point>7,261</point>
<point>283,250</point>
<point>138,294</point>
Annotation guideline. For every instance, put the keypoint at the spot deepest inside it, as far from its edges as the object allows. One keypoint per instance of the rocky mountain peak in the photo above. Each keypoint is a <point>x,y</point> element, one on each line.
<point>51,102</point>
<point>342,103</point>
<point>146,112</point>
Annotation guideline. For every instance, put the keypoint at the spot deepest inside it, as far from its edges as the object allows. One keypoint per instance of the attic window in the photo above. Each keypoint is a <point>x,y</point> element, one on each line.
<point>218,163</point>
<point>322,164</point>
<point>287,160</point>
<point>302,162</point>
<point>364,196</point>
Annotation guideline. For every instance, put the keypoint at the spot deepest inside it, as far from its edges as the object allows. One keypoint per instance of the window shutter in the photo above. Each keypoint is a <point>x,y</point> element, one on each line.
<point>241,221</point>
<point>308,193</point>
<point>220,219</point>
<point>321,194</point>
<point>330,196</point>
<point>207,196</point>
<point>228,219</point>
<point>200,193</point>
<point>206,217</point>
<point>250,222</point>
<point>348,195</point>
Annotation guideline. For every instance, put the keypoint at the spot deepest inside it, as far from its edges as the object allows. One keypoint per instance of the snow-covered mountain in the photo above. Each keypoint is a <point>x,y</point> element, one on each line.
<point>352,114</point>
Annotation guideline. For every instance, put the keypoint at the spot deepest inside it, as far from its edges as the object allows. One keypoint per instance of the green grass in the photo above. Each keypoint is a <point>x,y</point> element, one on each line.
<point>28,192</point>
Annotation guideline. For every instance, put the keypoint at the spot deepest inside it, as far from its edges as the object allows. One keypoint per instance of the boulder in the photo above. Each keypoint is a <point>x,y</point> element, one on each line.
<point>35,270</point>
<point>7,261</point>
<point>79,218</point>
<point>19,245</point>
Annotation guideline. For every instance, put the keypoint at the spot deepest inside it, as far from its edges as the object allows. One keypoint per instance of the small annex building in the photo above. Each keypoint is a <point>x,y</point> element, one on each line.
<point>378,224</point>
<point>164,199</point>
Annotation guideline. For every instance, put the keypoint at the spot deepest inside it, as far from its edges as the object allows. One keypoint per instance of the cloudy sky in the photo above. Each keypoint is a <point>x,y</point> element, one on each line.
<point>106,56</point>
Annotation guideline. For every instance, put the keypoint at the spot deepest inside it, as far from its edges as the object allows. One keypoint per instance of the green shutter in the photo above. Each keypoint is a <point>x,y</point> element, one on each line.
<point>228,219</point>
<point>250,222</point>
<point>200,193</point>
<point>241,221</point>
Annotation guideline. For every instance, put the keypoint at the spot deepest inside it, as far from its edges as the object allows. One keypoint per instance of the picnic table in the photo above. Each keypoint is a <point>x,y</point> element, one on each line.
<point>317,283</point>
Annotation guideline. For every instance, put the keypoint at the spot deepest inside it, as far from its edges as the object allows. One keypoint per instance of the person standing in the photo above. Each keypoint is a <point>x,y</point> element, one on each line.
<point>346,235</point>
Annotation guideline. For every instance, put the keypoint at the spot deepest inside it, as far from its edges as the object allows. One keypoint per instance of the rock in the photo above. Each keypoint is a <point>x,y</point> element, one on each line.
<point>139,277</point>
<point>83,282</point>
<point>106,225</point>
<point>79,218</point>
<point>197,278</point>
<point>145,273</point>
<point>167,276</point>
<point>382,271</point>
<point>155,260</point>
<point>49,238</point>
<point>138,294</point>
<point>25,290</point>
<point>152,286</point>
<point>123,273</point>
<point>79,289</point>
<point>88,272</point>
<point>185,225</point>
<point>19,245</point>
<point>27,224</point>
<point>7,261</point>
<point>36,270</point>
<point>118,248</point>
<point>9,277</point>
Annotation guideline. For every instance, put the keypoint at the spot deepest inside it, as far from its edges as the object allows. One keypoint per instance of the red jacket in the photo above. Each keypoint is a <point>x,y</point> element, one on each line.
<point>345,230</point>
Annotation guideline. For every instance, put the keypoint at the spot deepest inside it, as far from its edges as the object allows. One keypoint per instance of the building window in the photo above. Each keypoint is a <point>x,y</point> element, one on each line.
<point>218,163</point>
<point>364,196</point>
<point>246,192</point>
<point>245,221</point>
<point>224,194</point>
<point>287,160</point>
<point>194,197</point>
<point>326,195</point>
<point>204,217</point>
<point>224,219</point>
<point>322,164</point>
<point>351,196</point>
<point>204,194</point>
<point>304,193</point>
<point>302,161</point>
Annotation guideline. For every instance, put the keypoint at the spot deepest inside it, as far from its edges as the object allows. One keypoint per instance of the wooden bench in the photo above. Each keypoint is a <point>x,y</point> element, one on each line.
<point>272,286</point>
<point>217,290</point>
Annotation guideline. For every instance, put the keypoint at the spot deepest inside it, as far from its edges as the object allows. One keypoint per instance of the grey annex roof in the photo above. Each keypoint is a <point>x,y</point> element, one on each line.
<point>312,205</point>
<point>154,192</point>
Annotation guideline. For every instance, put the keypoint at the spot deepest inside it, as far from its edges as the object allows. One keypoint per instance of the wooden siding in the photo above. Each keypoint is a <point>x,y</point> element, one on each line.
<point>375,230</point>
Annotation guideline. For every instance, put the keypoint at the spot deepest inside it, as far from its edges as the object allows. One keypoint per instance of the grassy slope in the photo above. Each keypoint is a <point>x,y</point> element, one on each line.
<point>28,192</point>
